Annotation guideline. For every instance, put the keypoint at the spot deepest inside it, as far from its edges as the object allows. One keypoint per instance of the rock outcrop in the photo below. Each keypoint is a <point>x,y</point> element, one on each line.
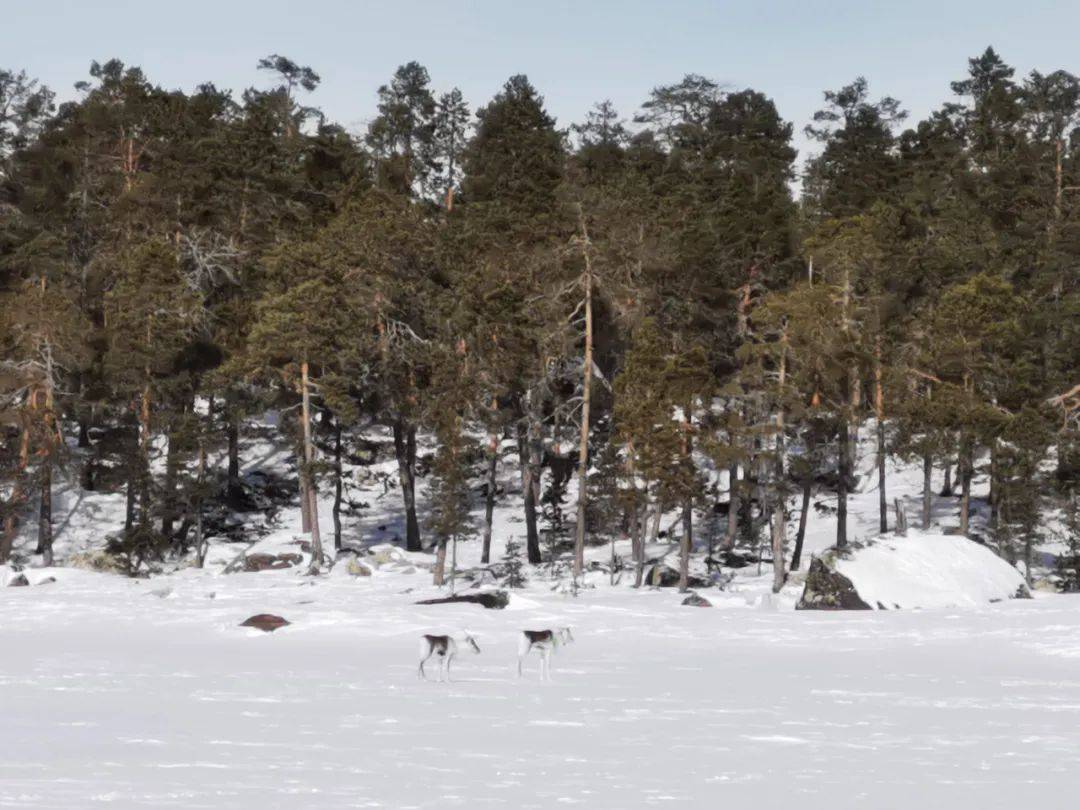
<point>916,571</point>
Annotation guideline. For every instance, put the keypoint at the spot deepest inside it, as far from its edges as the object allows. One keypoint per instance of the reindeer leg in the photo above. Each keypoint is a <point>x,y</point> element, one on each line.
<point>421,673</point>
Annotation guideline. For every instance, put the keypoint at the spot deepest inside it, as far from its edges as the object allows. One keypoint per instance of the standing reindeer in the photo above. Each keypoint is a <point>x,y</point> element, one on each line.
<point>546,641</point>
<point>445,647</point>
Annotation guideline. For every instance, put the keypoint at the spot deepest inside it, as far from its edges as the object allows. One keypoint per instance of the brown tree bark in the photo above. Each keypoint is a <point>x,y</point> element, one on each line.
<point>489,495</point>
<point>779,521</point>
<point>844,458</point>
<point>586,396</point>
<point>686,544</point>
<point>338,484</point>
<point>308,473</point>
<point>879,413</point>
<point>733,507</point>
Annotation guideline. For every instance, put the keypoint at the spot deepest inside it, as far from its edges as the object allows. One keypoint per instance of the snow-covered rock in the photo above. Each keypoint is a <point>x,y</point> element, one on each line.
<point>917,571</point>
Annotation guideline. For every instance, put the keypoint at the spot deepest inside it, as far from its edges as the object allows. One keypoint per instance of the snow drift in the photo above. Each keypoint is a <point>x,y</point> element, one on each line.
<point>917,571</point>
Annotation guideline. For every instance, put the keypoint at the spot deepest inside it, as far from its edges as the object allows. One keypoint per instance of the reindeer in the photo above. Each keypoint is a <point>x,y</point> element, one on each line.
<point>546,641</point>
<point>445,647</point>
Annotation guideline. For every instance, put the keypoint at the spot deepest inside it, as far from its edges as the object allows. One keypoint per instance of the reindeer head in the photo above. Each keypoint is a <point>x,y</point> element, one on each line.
<point>472,643</point>
<point>565,636</point>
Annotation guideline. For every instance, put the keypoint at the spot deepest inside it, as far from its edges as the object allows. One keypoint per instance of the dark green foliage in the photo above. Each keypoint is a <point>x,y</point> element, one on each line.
<point>171,262</point>
<point>514,570</point>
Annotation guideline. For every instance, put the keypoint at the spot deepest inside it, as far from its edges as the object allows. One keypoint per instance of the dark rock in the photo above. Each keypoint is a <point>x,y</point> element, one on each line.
<point>734,558</point>
<point>694,600</point>
<point>493,600</point>
<point>270,562</point>
<point>828,590</point>
<point>267,622</point>
<point>664,576</point>
<point>18,581</point>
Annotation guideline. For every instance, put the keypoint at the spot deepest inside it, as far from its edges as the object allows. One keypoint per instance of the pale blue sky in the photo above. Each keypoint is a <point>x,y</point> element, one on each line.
<point>574,52</point>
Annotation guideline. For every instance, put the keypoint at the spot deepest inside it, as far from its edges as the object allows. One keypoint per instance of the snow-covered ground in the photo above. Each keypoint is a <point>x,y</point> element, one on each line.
<point>129,693</point>
<point>147,693</point>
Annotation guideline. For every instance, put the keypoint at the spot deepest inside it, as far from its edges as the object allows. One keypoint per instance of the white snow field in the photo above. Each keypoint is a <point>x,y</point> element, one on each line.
<point>129,693</point>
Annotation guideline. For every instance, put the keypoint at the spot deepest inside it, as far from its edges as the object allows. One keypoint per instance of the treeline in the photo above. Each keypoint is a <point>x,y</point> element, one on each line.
<point>639,304</point>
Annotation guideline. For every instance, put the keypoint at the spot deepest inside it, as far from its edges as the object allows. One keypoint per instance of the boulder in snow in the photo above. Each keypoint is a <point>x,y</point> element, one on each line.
<point>917,571</point>
<point>267,622</point>
<point>696,600</point>
<point>18,581</point>
<point>825,589</point>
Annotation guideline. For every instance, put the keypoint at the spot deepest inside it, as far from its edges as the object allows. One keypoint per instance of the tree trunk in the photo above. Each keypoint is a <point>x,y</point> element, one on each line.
<point>45,524</point>
<point>453,562</point>
<point>308,471</point>
<point>439,577</point>
<point>883,505</point>
<point>168,495</point>
<point>637,530</point>
<point>338,485</point>
<point>11,520</point>
<point>947,485</point>
<point>994,484</point>
<point>405,450</point>
<point>144,457</point>
<point>586,396</point>
<point>804,510</point>
<point>131,495</point>
<point>686,546</point>
<point>901,519</point>
<point>201,547</point>
<point>779,521</point>
<point>844,458</point>
<point>879,413</point>
<point>658,513</point>
<point>531,456</point>
<point>927,491</point>
<point>489,496</point>
<point>965,471</point>
<point>733,507</point>
<point>232,435</point>
<point>302,481</point>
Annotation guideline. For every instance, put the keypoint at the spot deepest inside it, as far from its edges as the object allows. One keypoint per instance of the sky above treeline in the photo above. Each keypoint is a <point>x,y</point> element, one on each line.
<point>576,53</point>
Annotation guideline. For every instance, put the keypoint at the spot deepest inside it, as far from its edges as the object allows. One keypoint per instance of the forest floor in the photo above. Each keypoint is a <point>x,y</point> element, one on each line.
<point>147,693</point>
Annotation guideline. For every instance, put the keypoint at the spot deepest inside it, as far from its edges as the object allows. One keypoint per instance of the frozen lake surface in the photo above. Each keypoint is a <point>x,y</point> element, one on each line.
<point>123,693</point>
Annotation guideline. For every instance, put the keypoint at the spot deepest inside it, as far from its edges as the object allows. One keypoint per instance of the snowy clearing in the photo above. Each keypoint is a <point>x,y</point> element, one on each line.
<point>130,693</point>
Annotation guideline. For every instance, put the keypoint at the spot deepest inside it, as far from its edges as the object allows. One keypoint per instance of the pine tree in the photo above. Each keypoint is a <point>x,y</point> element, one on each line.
<point>404,133</point>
